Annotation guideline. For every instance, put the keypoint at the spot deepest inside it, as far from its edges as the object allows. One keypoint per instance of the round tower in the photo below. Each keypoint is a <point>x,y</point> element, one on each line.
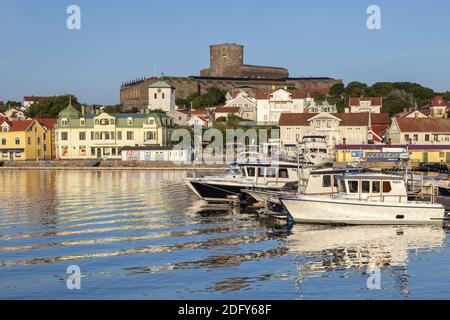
<point>225,55</point>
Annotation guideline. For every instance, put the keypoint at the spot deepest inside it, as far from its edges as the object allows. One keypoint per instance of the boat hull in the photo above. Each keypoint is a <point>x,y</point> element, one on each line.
<point>322,210</point>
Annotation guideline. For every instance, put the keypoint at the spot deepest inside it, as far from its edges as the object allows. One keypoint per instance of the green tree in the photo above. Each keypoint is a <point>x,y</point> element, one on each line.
<point>337,90</point>
<point>52,106</point>
<point>355,89</point>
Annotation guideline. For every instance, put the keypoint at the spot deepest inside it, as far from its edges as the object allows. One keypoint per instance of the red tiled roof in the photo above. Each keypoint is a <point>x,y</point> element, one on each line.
<point>20,125</point>
<point>423,124</point>
<point>439,101</point>
<point>375,101</point>
<point>380,118</point>
<point>3,119</point>
<point>347,119</point>
<point>47,122</point>
<point>227,110</point>
<point>195,112</point>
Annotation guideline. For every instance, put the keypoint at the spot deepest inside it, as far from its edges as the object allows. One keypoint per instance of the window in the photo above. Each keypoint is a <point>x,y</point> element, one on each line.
<point>150,135</point>
<point>260,172</point>
<point>106,152</point>
<point>375,186</point>
<point>92,151</point>
<point>130,135</point>
<point>3,141</point>
<point>416,137</point>
<point>97,121</point>
<point>45,147</point>
<point>82,122</point>
<point>17,140</point>
<point>155,96</point>
<point>427,137</point>
<point>29,140</point>
<point>130,121</point>
<point>353,186</point>
<point>64,122</point>
<point>283,173</point>
<point>97,136</point>
<point>111,135</point>
<point>441,154</point>
<point>64,136</point>
<point>113,151</point>
<point>82,135</point>
<point>271,172</point>
<point>111,121</point>
<point>406,137</point>
<point>119,135</point>
<point>250,172</point>
<point>387,186</point>
<point>163,95</point>
<point>38,140</point>
<point>92,135</point>
<point>365,187</point>
<point>151,121</point>
<point>326,181</point>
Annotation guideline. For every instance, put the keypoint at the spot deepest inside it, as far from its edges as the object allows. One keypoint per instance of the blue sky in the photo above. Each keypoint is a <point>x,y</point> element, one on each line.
<point>123,40</point>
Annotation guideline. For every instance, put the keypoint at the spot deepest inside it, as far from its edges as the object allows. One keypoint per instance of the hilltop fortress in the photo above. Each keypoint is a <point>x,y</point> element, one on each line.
<point>227,71</point>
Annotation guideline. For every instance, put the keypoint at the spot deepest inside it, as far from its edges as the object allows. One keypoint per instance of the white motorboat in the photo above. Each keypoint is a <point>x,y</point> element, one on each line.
<point>364,198</point>
<point>228,186</point>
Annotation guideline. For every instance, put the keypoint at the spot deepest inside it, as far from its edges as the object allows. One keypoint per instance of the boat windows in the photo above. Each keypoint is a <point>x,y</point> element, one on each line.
<point>250,171</point>
<point>353,186</point>
<point>271,172</point>
<point>375,186</point>
<point>365,186</point>
<point>387,186</point>
<point>283,173</point>
<point>261,172</point>
<point>326,181</point>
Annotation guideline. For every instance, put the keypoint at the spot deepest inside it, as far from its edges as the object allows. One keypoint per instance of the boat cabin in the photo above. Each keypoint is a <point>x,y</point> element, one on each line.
<point>372,187</point>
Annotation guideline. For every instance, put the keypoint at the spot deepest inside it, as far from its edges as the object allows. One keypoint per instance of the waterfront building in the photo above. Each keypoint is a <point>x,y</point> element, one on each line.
<point>419,131</point>
<point>31,139</point>
<point>161,96</point>
<point>411,113</point>
<point>317,107</point>
<point>365,104</point>
<point>156,153</point>
<point>200,121</point>
<point>103,135</point>
<point>417,153</point>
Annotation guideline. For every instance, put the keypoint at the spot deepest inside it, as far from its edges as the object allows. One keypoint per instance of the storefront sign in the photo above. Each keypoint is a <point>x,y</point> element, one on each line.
<point>387,156</point>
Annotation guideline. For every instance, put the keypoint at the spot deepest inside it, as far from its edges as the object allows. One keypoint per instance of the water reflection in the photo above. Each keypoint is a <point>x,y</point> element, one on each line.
<point>141,226</point>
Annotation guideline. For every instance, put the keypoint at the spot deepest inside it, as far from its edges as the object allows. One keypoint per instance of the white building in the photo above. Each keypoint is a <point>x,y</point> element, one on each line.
<point>365,104</point>
<point>156,153</point>
<point>243,101</point>
<point>338,128</point>
<point>161,96</point>
<point>30,100</point>
<point>272,103</point>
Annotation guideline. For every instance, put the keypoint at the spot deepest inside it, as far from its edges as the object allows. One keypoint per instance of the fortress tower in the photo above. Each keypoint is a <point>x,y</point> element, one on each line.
<point>227,61</point>
<point>225,55</point>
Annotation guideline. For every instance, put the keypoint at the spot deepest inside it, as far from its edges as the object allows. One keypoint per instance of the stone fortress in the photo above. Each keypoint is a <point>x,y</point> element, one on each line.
<point>227,71</point>
<point>227,60</point>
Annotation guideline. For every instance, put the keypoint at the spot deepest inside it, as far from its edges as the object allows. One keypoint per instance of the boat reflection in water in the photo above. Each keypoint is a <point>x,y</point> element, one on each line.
<point>321,250</point>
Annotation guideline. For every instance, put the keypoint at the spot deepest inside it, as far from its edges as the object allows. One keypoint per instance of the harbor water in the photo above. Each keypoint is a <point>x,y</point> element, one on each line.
<point>145,235</point>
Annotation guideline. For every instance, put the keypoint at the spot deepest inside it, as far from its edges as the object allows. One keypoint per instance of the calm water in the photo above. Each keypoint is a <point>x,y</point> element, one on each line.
<point>143,235</point>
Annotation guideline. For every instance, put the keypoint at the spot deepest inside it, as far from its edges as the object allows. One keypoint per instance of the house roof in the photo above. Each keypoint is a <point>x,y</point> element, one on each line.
<point>423,124</point>
<point>161,84</point>
<point>69,112</point>
<point>227,110</point>
<point>380,118</point>
<point>20,125</point>
<point>302,119</point>
<point>374,101</point>
<point>195,112</point>
<point>47,122</point>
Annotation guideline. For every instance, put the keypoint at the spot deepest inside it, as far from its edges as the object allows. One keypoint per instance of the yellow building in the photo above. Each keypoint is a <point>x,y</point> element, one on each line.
<point>26,139</point>
<point>417,153</point>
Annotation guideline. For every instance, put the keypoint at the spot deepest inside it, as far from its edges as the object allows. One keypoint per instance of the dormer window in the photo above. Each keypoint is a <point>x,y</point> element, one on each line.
<point>82,122</point>
<point>111,121</point>
<point>130,121</point>
<point>64,122</point>
<point>151,121</point>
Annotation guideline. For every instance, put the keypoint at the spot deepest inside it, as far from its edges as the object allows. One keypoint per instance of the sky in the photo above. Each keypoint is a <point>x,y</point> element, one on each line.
<point>124,40</point>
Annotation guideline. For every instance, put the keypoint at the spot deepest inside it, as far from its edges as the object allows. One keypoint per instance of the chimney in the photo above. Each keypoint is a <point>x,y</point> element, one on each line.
<point>83,112</point>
